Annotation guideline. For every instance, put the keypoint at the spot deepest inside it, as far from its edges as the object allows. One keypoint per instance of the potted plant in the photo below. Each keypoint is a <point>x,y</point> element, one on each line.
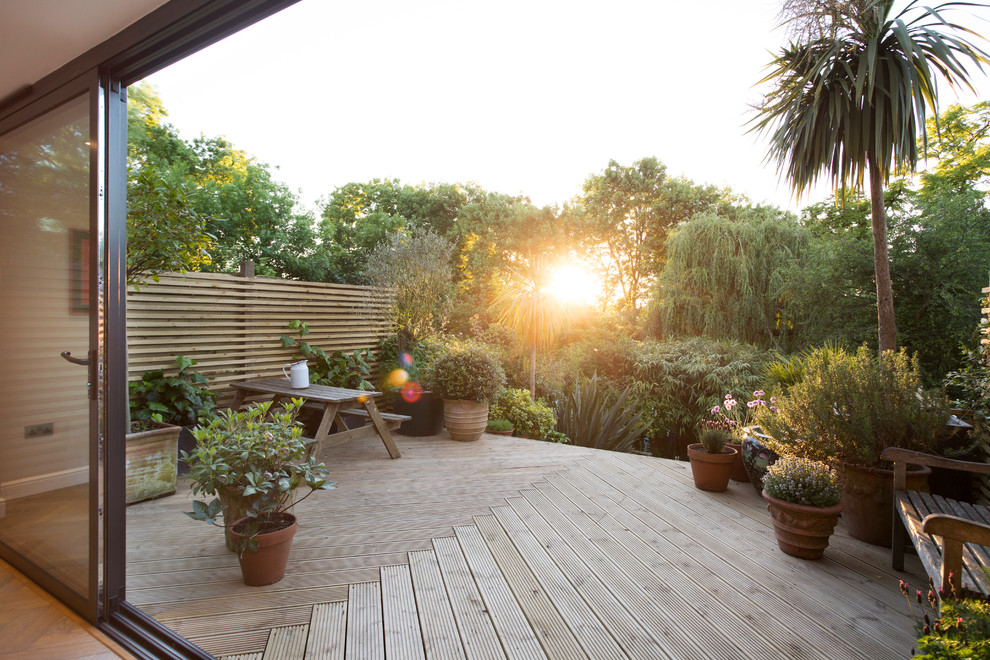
<point>804,501</point>
<point>736,419</point>
<point>845,411</point>
<point>466,380</point>
<point>711,460</point>
<point>253,461</point>
<point>499,427</point>
<point>181,400</point>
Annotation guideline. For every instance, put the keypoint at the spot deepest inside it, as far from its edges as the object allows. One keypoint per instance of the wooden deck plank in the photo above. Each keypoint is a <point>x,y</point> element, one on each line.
<point>624,625</point>
<point>403,638</point>
<point>518,638</point>
<point>587,629</point>
<point>327,631</point>
<point>473,618</point>
<point>287,643</point>
<point>799,580</point>
<point>441,640</point>
<point>675,635</point>
<point>658,575</point>
<point>552,632</point>
<point>751,589</point>
<point>365,636</point>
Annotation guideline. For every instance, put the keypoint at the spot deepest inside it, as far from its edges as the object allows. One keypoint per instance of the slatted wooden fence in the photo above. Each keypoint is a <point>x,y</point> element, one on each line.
<point>984,495</point>
<point>231,325</point>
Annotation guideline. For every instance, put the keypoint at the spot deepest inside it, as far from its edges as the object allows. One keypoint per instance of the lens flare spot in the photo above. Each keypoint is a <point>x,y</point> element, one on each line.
<point>398,377</point>
<point>406,359</point>
<point>362,398</point>
<point>411,392</point>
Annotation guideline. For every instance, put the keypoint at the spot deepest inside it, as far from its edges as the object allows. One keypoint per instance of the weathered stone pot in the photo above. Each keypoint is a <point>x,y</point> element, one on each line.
<point>868,498</point>
<point>267,564</point>
<point>151,462</point>
<point>711,471</point>
<point>802,531</point>
<point>465,420</point>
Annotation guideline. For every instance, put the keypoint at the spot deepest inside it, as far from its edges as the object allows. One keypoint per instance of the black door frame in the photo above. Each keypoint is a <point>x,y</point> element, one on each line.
<point>173,31</point>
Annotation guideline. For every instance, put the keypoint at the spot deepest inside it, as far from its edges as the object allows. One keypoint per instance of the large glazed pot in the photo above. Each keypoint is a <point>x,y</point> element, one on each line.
<point>711,471</point>
<point>267,564</point>
<point>426,412</point>
<point>757,457</point>
<point>465,420</point>
<point>868,498</point>
<point>802,531</point>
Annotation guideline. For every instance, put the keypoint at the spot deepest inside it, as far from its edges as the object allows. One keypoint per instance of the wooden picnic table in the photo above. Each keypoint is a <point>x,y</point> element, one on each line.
<point>335,402</point>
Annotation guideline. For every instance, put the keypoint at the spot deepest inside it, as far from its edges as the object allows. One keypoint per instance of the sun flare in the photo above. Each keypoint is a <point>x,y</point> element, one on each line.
<point>571,283</point>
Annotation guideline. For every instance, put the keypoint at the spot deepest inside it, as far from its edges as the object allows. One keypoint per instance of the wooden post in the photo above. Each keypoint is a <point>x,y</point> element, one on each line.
<point>247,268</point>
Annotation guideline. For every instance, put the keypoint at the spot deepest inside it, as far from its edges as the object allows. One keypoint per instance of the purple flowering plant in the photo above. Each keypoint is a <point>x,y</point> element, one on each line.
<point>734,416</point>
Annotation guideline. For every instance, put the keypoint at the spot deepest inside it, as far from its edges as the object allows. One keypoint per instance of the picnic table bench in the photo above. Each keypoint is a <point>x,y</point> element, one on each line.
<point>951,537</point>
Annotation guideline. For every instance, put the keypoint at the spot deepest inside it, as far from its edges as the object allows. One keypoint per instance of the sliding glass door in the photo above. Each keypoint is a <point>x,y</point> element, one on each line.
<point>50,327</point>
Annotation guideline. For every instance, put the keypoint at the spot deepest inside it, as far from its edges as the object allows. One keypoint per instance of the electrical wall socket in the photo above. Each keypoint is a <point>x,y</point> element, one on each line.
<point>39,430</point>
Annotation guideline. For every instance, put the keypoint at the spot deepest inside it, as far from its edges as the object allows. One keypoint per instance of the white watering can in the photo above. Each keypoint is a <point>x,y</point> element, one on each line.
<point>298,374</point>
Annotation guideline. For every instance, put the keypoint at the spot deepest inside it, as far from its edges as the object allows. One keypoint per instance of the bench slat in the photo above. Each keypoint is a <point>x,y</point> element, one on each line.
<point>912,511</point>
<point>973,576</point>
<point>388,417</point>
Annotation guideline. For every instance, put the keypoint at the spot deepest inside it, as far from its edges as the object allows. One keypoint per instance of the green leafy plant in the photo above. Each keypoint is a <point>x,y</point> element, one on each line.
<point>500,425</point>
<point>713,439</point>
<point>259,452</point>
<point>338,369</point>
<point>531,419</point>
<point>182,399</point>
<point>849,407</point>
<point>557,437</point>
<point>959,625</point>
<point>803,481</point>
<point>586,417</point>
<point>468,373</point>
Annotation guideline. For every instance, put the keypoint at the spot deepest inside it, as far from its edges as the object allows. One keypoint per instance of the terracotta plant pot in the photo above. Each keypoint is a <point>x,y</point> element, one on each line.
<point>465,420</point>
<point>738,468</point>
<point>266,565</point>
<point>802,531</point>
<point>868,498</point>
<point>711,471</point>
<point>509,432</point>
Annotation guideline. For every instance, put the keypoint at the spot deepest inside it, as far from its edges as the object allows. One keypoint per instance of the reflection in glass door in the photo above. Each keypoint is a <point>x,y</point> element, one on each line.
<point>47,489</point>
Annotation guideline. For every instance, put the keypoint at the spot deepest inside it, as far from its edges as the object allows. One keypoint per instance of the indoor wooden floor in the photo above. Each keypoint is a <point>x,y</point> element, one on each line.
<point>35,626</point>
<point>515,548</point>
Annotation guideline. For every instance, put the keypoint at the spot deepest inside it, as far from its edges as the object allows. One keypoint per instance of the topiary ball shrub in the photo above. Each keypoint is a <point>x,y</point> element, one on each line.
<point>469,374</point>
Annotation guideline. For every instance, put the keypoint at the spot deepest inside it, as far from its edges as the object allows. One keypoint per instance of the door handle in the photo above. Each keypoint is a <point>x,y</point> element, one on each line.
<point>88,361</point>
<point>74,360</point>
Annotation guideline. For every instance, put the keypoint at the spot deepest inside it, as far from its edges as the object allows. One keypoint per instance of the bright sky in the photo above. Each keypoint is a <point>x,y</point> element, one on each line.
<point>519,96</point>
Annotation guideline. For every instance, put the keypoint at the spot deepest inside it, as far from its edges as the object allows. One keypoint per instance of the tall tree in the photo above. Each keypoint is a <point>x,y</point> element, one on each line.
<point>851,97</point>
<point>627,212</point>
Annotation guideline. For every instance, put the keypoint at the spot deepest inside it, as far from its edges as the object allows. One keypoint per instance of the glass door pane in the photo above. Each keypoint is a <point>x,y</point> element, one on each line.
<point>47,270</point>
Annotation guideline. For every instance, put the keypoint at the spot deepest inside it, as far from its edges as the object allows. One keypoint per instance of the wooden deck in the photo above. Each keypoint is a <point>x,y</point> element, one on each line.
<point>515,548</point>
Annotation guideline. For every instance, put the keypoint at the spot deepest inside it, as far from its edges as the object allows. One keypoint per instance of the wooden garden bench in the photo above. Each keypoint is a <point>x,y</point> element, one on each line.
<point>951,537</point>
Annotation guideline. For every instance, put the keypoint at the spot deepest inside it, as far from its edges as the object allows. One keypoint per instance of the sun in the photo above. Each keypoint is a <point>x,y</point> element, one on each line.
<point>571,283</point>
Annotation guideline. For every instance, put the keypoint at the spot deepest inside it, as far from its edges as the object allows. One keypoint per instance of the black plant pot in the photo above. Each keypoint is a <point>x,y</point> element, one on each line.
<point>426,413</point>
<point>186,443</point>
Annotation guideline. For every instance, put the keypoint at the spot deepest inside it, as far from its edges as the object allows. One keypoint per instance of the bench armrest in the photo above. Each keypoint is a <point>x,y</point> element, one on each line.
<point>954,527</point>
<point>898,455</point>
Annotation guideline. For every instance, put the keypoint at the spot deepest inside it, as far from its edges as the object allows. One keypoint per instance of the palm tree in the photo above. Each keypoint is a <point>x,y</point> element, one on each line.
<point>852,97</point>
<point>528,307</point>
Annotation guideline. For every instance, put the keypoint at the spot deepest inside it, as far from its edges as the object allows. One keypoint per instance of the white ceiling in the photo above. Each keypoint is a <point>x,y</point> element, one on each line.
<point>39,36</point>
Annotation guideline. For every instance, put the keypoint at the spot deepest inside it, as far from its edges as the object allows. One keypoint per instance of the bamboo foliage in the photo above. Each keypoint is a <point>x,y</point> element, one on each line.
<point>231,325</point>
